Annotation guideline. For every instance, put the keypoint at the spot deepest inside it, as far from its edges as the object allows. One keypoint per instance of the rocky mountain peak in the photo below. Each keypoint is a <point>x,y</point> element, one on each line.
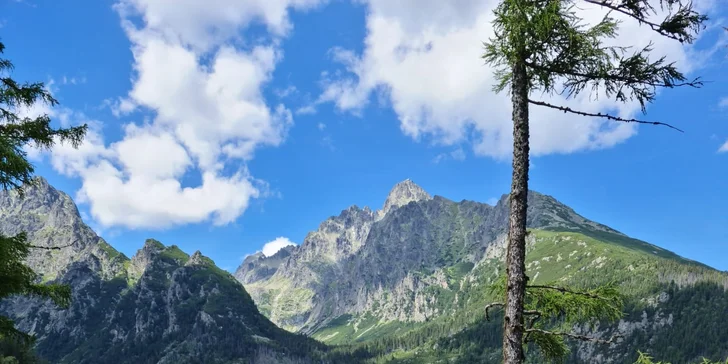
<point>196,259</point>
<point>144,257</point>
<point>403,193</point>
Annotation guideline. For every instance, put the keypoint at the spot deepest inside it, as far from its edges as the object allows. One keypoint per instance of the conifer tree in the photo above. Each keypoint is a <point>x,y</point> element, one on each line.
<point>543,47</point>
<point>552,310</point>
<point>16,172</point>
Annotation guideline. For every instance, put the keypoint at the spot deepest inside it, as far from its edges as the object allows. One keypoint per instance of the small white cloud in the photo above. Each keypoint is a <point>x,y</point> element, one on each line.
<point>288,91</point>
<point>492,201</point>
<point>723,148</point>
<point>120,107</point>
<point>274,246</point>
<point>73,80</point>
<point>457,154</point>
<point>328,143</point>
<point>306,110</point>
<point>321,126</point>
<point>723,102</point>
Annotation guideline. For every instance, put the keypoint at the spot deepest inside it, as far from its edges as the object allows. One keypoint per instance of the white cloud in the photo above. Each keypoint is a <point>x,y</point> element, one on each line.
<point>203,25</point>
<point>492,201</point>
<point>73,80</point>
<point>723,148</point>
<point>321,126</point>
<point>203,82</point>
<point>723,103</point>
<point>457,154</point>
<point>120,107</point>
<point>427,64</point>
<point>288,91</point>
<point>274,246</point>
<point>306,110</point>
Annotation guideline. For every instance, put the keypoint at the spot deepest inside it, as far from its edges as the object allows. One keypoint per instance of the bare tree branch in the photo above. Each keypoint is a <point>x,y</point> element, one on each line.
<point>491,305</point>
<point>531,323</point>
<point>499,304</point>
<point>576,336</point>
<point>601,115</point>
<point>50,247</point>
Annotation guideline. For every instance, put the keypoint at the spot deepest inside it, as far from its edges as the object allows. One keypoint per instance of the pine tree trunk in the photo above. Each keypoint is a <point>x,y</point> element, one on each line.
<point>516,252</point>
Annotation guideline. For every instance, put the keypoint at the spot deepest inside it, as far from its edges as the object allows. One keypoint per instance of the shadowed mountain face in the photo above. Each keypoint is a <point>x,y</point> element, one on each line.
<point>366,275</point>
<point>160,306</point>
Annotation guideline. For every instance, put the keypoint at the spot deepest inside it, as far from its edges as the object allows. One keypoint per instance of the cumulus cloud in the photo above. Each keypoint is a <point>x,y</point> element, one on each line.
<point>203,25</point>
<point>427,64</point>
<point>203,83</point>
<point>274,246</point>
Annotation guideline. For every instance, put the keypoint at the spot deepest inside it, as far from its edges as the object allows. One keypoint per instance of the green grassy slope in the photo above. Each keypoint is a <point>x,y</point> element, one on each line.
<point>641,270</point>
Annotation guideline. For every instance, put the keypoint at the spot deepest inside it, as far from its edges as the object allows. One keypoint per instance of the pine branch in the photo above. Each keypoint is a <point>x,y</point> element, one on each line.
<point>609,5</point>
<point>576,336</point>
<point>566,290</point>
<point>601,115</point>
<point>611,77</point>
<point>683,18</point>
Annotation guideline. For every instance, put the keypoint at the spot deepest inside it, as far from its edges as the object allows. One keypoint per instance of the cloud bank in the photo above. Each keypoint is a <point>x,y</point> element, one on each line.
<point>423,56</point>
<point>201,81</point>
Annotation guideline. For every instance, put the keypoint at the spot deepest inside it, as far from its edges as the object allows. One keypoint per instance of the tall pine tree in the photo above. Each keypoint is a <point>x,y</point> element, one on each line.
<point>16,172</point>
<point>543,46</point>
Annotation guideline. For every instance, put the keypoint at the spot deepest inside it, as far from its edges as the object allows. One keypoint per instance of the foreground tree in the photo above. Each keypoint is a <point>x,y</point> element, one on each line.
<point>542,45</point>
<point>553,310</point>
<point>16,172</point>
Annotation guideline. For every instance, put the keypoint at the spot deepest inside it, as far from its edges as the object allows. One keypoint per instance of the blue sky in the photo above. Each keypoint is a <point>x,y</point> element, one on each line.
<point>275,114</point>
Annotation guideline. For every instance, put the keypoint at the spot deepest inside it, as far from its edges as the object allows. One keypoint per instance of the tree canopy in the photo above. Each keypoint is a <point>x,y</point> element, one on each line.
<point>16,172</point>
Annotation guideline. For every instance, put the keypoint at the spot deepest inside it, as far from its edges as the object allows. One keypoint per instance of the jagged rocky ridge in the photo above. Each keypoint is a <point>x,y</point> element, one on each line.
<point>160,306</point>
<point>364,275</point>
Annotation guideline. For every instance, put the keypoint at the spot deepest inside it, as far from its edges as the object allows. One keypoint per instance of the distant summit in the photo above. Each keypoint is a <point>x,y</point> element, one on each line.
<point>403,193</point>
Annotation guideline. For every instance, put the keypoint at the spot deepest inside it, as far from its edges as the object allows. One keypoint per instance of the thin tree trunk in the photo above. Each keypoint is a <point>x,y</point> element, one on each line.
<point>516,253</point>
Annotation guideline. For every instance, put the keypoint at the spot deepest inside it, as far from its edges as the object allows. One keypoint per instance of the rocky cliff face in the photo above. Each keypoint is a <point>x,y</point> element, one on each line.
<point>160,306</point>
<point>257,266</point>
<point>50,218</point>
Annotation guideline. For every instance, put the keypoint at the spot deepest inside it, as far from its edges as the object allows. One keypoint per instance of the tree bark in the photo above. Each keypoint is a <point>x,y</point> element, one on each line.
<point>513,328</point>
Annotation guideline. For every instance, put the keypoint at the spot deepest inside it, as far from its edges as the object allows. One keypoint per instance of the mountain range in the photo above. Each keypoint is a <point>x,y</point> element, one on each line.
<point>402,284</point>
<point>160,306</point>
<point>423,262</point>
